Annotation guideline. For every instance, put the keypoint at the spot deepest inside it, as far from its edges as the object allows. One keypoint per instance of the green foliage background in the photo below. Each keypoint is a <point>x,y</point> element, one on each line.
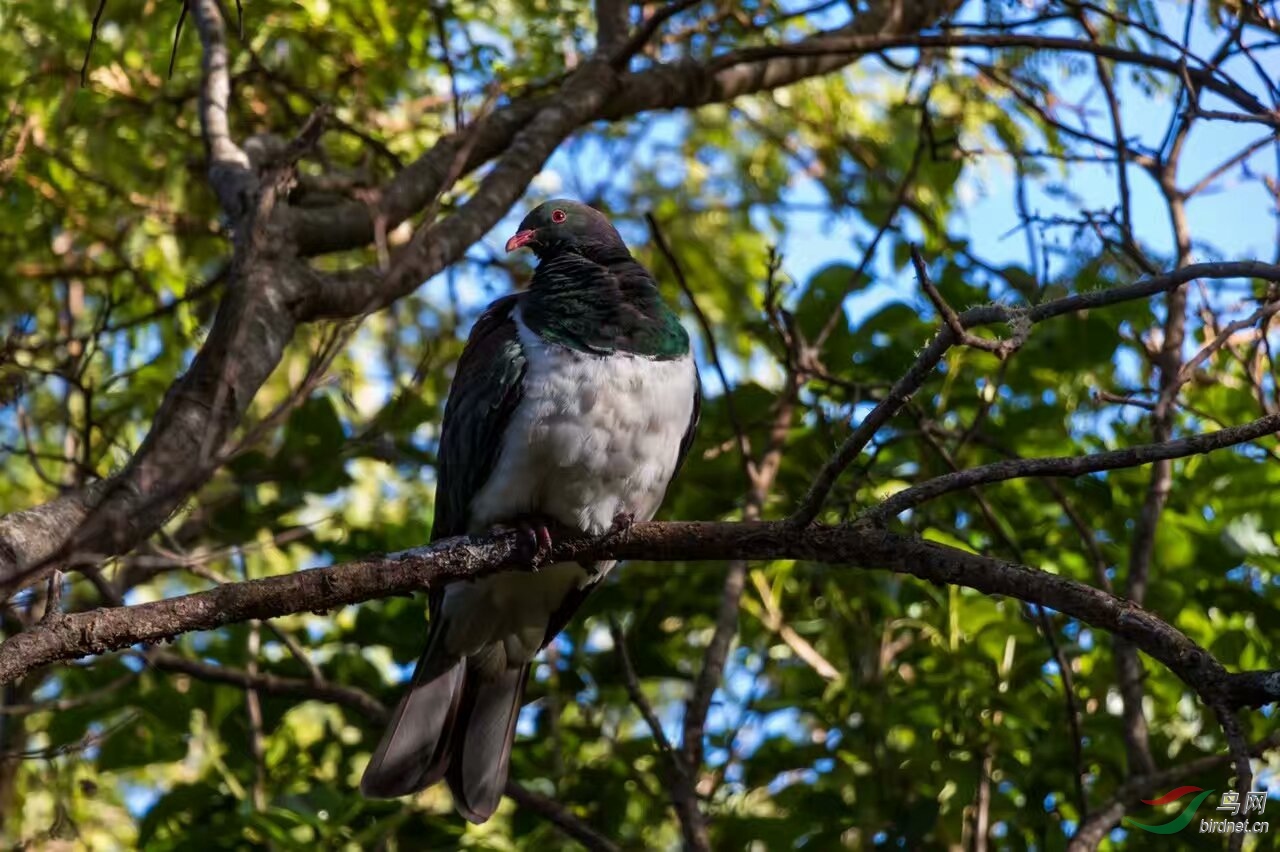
<point>114,259</point>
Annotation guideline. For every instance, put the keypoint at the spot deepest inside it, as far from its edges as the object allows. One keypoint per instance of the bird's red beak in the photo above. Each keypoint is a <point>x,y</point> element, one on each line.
<point>521,238</point>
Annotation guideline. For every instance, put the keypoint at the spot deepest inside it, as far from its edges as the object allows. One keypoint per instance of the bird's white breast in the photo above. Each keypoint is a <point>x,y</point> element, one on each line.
<point>593,436</point>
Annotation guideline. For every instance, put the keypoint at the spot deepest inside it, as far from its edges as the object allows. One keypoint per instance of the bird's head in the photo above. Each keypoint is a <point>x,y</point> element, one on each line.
<point>564,225</point>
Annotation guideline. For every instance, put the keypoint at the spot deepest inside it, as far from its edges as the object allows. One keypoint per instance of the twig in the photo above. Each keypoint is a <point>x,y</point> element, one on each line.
<point>692,822</point>
<point>802,647</point>
<point>1121,399</point>
<point>910,382</point>
<point>1002,349</point>
<point>641,703</point>
<point>89,740</point>
<point>298,652</point>
<point>560,816</point>
<point>177,36</point>
<point>646,30</point>
<point>59,704</point>
<point>269,684</point>
<point>1188,369</point>
<point>442,32</point>
<point>898,396</point>
<point>1102,820</point>
<point>1071,466</point>
<point>1073,709</point>
<point>835,43</point>
<point>253,709</point>
<point>53,597</point>
<point>93,39</point>
<point>709,340</point>
<point>899,201</point>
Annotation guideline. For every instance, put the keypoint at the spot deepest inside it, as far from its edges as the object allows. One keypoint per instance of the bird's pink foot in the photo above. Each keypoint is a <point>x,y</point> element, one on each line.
<point>622,523</point>
<point>536,532</point>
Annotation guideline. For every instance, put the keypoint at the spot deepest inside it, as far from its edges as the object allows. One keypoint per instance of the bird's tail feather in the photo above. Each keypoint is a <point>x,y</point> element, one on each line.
<point>456,720</point>
<point>481,746</point>
<point>414,751</point>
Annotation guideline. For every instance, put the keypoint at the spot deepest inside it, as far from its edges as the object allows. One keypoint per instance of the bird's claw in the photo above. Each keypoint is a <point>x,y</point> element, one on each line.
<point>537,538</point>
<point>622,524</point>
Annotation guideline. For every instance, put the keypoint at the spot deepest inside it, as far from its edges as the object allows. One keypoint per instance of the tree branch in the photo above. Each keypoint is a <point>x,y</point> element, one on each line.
<point>230,174</point>
<point>373,710</point>
<point>267,298</point>
<point>613,22</point>
<point>268,684</point>
<point>634,692</point>
<point>443,243</point>
<point>665,86</point>
<point>32,536</point>
<point>560,816</point>
<point>102,630</point>
<point>253,325</point>
<point>1098,825</point>
<point>910,382</point>
<point>843,43</point>
<point>1071,466</point>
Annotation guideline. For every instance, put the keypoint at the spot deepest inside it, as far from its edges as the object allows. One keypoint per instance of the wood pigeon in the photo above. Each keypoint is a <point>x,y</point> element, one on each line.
<point>574,404</point>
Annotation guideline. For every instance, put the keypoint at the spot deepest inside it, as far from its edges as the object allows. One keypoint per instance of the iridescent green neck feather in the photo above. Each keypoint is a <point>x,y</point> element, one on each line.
<point>588,293</point>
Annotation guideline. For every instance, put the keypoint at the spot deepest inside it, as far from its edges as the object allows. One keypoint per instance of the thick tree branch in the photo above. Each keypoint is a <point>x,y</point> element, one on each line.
<point>99,631</point>
<point>446,241</point>
<point>31,536</point>
<point>253,326</point>
<point>840,43</point>
<point>691,84</point>
<point>230,174</point>
<point>613,22</point>
<point>684,84</point>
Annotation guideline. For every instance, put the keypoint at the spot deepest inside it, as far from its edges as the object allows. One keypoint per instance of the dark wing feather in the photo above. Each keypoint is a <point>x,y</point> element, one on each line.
<point>487,387</point>
<point>417,748</point>
<point>687,441</point>
<point>486,390</point>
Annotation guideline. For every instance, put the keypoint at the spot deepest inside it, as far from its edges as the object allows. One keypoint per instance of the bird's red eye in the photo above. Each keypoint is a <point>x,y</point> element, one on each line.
<point>558,216</point>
